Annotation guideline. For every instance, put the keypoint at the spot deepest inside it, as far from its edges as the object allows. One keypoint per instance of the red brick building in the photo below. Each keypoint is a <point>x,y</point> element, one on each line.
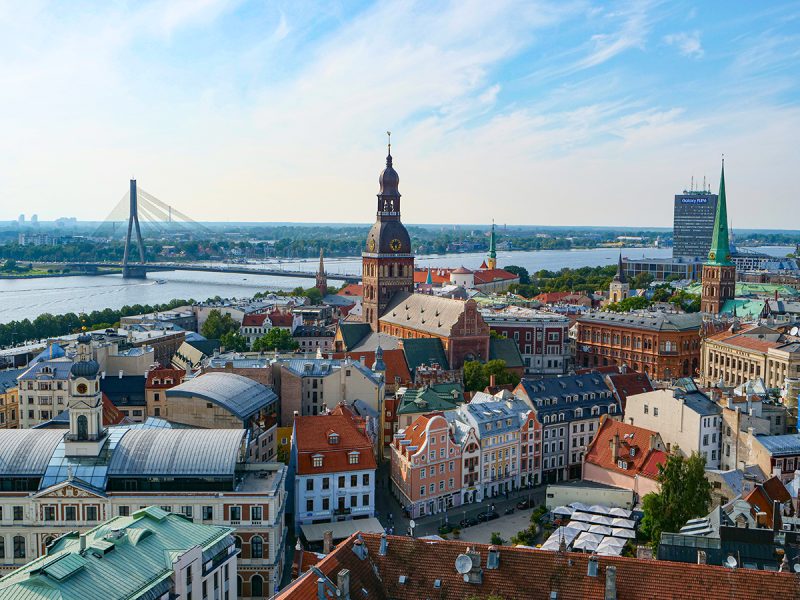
<point>458,324</point>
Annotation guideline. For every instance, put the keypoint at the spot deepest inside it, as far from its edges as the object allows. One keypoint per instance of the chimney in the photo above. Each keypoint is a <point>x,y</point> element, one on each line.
<point>492,380</point>
<point>614,445</point>
<point>493,560</point>
<point>82,541</point>
<point>776,515</point>
<point>653,441</point>
<point>120,373</point>
<point>321,589</point>
<point>343,584</point>
<point>384,545</point>
<point>327,542</point>
<point>359,548</point>
<point>701,557</point>
<point>475,574</point>
<point>591,568</point>
<point>611,583</point>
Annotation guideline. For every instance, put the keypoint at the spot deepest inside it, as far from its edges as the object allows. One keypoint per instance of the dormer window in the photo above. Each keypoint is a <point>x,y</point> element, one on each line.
<point>333,438</point>
<point>316,460</point>
<point>622,464</point>
<point>633,451</point>
<point>352,458</point>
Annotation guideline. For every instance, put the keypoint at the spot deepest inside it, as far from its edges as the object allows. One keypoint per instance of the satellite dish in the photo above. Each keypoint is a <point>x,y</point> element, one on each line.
<point>731,562</point>
<point>794,330</point>
<point>796,568</point>
<point>466,578</point>
<point>463,564</point>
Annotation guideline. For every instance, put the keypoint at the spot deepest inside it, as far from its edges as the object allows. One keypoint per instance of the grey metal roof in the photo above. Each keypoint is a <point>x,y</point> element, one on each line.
<point>8,379</point>
<point>781,445</point>
<point>322,367</point>
<point>25,452</point>
<point>239,395</point>
<point>647,320</point>
<point>177,452</point>
<point>59,368</point>
<point>552,395</point>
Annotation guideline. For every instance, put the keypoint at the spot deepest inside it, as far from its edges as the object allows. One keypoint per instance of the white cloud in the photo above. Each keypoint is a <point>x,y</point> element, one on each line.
<point>687,44</point>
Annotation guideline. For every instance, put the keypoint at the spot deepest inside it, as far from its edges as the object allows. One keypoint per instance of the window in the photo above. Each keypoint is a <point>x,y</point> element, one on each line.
<point>257,586</point>
<point>49,513</point>
<point>353,458</point>
<point>422,490</point>
<point>124,511</point>
<point>655,411</point>
<point>70,514</point>
<point>2,547</point>
<point>353,501</point>
<point>316,460</point>
<point>91,513</point>
<point>19,546</point>
<point>166,508</point>
<point>257,547</point>
<point>187,511</point>
<point>326,483</point>
<point>326,504</point>
<point>646,409</point>
<point>309,485</point>
<point>353,480</point>
<point>256,513</point>
<point>18,513</point>
<point>310,505</point>
<point>365,479</point>
<point>236,513</point>
<point>208,513</point>
<point>188,576</point>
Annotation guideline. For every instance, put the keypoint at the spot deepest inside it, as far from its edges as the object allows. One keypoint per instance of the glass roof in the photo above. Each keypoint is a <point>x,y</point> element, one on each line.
<point>91,470</point>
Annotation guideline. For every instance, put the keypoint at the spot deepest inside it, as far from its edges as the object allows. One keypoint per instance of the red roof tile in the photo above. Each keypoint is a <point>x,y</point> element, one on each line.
<point>162,376</point>
<point>644,461</point>
<point>427,568</point>
<point>353,289</point>
<point>438,276</point>
<point>490,275</point>
<point>254,319</point>
<point>628,384</point>
<point>312,435</point>
<point>281,319</point>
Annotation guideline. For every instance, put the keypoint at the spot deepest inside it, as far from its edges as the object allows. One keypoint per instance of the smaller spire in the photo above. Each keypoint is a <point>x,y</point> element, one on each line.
<point>620,274</point>
<point>429,278</point>
<point>389,153</point>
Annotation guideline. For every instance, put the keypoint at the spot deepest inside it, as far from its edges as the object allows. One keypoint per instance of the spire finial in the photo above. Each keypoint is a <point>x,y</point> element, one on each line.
<point>389,155</point>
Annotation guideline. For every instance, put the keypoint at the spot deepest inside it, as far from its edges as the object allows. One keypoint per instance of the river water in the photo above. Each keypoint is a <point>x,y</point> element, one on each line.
<point>21,298</point>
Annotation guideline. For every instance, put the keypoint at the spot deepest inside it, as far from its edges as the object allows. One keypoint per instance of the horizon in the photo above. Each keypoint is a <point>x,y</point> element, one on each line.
<point>577,111</point>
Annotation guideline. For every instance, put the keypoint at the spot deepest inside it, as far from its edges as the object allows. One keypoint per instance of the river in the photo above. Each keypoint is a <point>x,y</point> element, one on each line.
<point>28,298</point>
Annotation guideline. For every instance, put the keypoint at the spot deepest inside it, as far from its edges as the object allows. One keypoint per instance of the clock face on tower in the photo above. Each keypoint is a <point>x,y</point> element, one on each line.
<point>395,245</point>
<point>371,245</point>
<point>81,388</point>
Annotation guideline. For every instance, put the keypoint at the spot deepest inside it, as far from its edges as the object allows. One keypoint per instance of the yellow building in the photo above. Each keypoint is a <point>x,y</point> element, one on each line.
<point>284,444</point>
<point>9,399</point>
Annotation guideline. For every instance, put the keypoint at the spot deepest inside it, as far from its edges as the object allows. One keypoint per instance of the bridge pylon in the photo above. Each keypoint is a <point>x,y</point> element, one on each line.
<point>133,270</point>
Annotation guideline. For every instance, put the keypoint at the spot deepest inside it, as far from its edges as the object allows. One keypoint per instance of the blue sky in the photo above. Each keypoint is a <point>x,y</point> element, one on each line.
<point>524,112</point>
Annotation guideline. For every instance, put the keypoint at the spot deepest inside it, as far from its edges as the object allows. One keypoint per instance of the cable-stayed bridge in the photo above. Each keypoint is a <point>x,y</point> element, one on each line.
<point>140,211</point>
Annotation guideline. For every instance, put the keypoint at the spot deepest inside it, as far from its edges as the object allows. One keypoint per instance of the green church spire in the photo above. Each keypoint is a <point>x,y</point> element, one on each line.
<point>492,246</point>
<point>720,253</point>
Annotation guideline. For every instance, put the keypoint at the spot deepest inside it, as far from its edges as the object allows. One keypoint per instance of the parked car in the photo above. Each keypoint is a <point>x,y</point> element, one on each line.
<point>523,504</point>
<point>468,522</point>
<point>488,516</point>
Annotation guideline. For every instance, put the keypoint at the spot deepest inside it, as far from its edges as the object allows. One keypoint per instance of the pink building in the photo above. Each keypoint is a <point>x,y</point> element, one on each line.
<point>625,456</point>
<point>426,466</point>
<point>530,452</point>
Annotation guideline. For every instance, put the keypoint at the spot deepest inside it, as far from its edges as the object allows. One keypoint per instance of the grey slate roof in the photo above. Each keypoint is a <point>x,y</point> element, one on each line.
<point>551,395</point>
<point>176,452</point>
<point>322,367</point>
<point>25,452</point>
<point>239,395</point>
<point>60,369</point>
<point>422,312</point>
<point>646,320</point>
<point>127,390</point>
<point>8,379</point>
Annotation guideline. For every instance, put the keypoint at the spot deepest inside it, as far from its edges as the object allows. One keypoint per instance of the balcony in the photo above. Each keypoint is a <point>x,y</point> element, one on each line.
<point>340,512</point>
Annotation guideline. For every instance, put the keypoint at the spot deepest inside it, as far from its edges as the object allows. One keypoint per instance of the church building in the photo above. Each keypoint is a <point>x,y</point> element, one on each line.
<point>719,271</point>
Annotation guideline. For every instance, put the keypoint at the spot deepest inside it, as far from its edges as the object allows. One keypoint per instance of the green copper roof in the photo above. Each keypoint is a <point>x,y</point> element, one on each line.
<point>720,253</point>
<point>507,350</point>
<point>440,396</point>
<point>492,244</point>
<point>125,558</point>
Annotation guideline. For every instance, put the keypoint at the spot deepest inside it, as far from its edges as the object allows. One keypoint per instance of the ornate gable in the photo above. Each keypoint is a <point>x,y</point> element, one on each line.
<point>69,489</point>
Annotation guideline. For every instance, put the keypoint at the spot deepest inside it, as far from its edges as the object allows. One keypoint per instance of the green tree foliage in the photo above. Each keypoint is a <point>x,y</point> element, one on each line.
<point>628,304</point>
<point>478,374</point>
<point>641,281</point>
<point>685,494</point>
<point>218,324</point>
<point>524,276</point>
<point>233,341</point>
<point>275,339</point>
<point>497,539</point>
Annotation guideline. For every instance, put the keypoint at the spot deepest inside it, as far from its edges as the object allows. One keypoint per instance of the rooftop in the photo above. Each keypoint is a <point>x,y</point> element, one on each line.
<point>646,320</point>
<point>334,437</point>
<point>241,396</point>
<point>781,445</point>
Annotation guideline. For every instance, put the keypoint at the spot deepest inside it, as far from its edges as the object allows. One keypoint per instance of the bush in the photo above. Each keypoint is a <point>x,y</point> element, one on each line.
<point>496,539</point>
<point>445,529</point>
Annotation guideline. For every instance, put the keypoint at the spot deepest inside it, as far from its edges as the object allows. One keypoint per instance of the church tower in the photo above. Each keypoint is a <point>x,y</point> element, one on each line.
<point>719,272</point>
<point>387,262</point>
<point>86,433</point>
<point>491,262</point>
<point>322,278</point>
<point>619,288</point>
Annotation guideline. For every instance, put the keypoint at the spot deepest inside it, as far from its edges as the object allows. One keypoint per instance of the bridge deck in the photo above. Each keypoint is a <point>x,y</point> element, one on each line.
<point>152,267</point>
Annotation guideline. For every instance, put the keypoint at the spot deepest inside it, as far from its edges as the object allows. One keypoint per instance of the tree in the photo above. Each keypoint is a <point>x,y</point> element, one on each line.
<point>642,280</point>
<point>314,296</point>
<point>275,339</point>
<point>217,325</point>
<point>684,494</point>
<point>524,276</point>
<point>233,341</point>
<point>629,304</point>
<point>477,375</point>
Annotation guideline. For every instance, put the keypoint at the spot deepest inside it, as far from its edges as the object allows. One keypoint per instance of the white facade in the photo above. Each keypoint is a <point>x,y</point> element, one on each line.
<point>338,496</point>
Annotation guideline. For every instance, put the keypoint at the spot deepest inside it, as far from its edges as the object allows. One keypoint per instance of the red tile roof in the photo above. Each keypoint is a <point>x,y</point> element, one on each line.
<point>438,276</point>
<point>628,384</point>
<point>254,319</point>
<point>312,435</point>
<point>644,461</point>
<point>353,289</point>
<point>489,275</point>
<point>555,297</point>
<point>395,361</point>
<point>762,496</point>
<point>281,319</point>
<point>175,376</point>
<point>111,414</point>
<point>527,574</point>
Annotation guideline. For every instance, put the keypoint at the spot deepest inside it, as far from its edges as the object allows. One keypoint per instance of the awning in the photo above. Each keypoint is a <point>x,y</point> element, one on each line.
<point>341,529</point>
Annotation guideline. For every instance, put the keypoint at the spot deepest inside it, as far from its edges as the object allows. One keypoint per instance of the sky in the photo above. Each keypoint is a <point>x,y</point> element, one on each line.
<point>525,112</point>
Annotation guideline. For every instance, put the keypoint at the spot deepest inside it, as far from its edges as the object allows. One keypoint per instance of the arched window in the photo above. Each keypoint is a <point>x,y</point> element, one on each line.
<point>83,428</point>
<point>237,542</point>
<point>239,586</point>
<point>19,546</point>
<point>256,547</point>
<point>257,586</point>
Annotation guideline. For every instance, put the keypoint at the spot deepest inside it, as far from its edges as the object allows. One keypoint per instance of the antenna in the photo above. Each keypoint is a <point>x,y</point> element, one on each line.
<point>389,135</point>
<point>704,183</point>
<point>463,564</point>
<point>692,188</point>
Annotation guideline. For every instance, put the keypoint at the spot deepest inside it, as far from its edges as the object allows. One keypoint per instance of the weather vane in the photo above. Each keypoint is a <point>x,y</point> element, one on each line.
<point>389,134</point>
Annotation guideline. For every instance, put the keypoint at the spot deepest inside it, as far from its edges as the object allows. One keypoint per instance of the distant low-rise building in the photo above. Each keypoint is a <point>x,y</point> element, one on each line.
<point>9,398</point>
<point>314,338</point>
<point>43,391</point>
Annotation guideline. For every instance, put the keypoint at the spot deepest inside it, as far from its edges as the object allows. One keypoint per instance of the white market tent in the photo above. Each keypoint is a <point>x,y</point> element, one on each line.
<point>587,541</point>
<point>599,509</point>
<point>620,512</point>
<point>563,510</point>
<point>618,532</point>
<point>568,534</point>
<point>600,529</point>
<point>579,506</point>
<point>624,523</point>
